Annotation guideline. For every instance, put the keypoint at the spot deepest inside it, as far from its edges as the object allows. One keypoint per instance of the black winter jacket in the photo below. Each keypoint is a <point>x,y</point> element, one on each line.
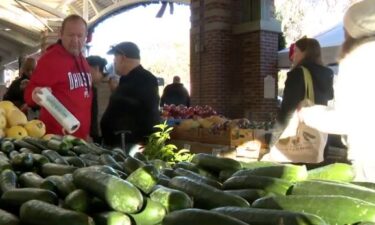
<point>133,106</point>
<point>175,94</point>
<point>294,91</point>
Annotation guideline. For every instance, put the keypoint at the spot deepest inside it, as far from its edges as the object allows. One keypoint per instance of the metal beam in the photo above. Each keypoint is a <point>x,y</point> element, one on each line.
<point>123,3</point>
<point>34,15</point>
<point>94,6</point>
<point>33,34</point>
<point>85,10</point>
<point>38,4</point>
<point>65,2</point>
<point>19,38</point>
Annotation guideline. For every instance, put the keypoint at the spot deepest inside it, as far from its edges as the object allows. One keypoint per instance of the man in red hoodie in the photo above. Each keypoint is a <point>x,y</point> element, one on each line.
<point>64,70</point>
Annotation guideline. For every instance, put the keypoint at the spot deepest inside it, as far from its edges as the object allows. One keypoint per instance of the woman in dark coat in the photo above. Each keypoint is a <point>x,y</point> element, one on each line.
<point>307,53</point>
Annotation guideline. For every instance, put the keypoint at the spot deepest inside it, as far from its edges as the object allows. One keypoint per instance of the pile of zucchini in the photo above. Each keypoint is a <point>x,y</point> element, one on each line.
<point>65,180</point>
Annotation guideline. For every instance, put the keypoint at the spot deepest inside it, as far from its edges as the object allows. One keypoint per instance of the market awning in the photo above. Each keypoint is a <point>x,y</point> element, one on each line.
<point>22,21</point>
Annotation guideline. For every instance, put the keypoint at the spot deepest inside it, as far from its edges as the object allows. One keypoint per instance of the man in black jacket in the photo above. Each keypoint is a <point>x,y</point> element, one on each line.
<point>134,105</point>
<point>175,93</point>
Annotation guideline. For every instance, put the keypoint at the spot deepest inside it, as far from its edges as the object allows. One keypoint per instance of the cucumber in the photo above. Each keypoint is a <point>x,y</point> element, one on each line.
<point>16,197</point>
<point>63,185</point>
<point>26,150</point>
<point>289,172</point>
<point>144,178</point>
<point>256,216</point>
<point>36,212</point>
<point>98,206</point>
<point>5,165</point>
<point>75,161</point>
<point>168,172</point>
<point>62,147</point>
<point>20,143</point>
<point>370,185</point>
<point>33,180</point>
<point>187,166</point>
<point>4,157</point>
<point>171,199</point>
<point>205,196</point>
<point>101,168</point>
<point>131,164</point>
<point>269,184</point>
<point>198,178</point>
<point>7,146</point>
<point>49,169</point>
<point>108,160</point>
<point>226,174</point>
<point>152,213</point>
<point>90,156</point>
<point>118,156</point>
<point>112,218</point>
<point>22,161</point>
<point>215,163</point>
<point>249,195</point>
<point>334,209</point>
<point>316,187</point>
<point>140,156</point>
<point>39,159</point>
<point>54,157</point>
<point>37,142</point>
<point>7,218</point>
<point>119,194</point>
<point>90,162</point>
<point>78,200</point>
<point>336,172</point>
<point>81,149</point>
<point>199,217</point>
<point>8,180</point>
<point>257,164</point>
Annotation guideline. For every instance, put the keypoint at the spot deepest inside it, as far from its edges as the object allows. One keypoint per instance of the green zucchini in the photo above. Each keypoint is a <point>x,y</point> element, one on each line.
<point>16,197</point>
<point>334,209</point>
<point>187,166</point>
<point>36,212</point>
<point>168,172</point>
<point>316,187</point>
<point>139,156</point>
<point>257,164</point>
<point>75,161</point>
<point>7,218</point>
<point>144,178</point>
<point>26,150</point>
<point>289,172</point>
<point>81,149</point>
<point>78,200</point>
<point>215,163</point>
<point>60,146</point>
<point>22,161</point>
<point>198,178</point>
<point>39,159</point>
<point>5,165</point>
<point>101,168</point>
<point>249,195</point>
<point>269,184</point>
<point>63,185</point>
<point>226,174</point>
<point>370,185</point>
<point>171,199</point>
<point>33,180</point>
<point>8,180</point>
<point>151,214</point>
<point>37,142</point>
<point>112,218</point>
<point>49,169</point>
<point>20,143</point>
<point>131,164</point>
<point>119,194</point>
<point>7,146</point>
<point>336,172</point>
<point>107,159</point>
<point>90,156</point>
<point>54,157</point>
<point>206,196</point>
<point>199,217</point>
<point>4,157</point>
<point>256,216</point>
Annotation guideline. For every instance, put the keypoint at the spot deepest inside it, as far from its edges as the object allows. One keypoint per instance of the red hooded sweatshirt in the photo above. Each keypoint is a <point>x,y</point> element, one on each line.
<point>70,81</point>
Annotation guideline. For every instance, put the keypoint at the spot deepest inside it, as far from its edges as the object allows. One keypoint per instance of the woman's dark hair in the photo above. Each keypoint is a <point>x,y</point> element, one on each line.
<point>311,48</point>
<point>95,60</point>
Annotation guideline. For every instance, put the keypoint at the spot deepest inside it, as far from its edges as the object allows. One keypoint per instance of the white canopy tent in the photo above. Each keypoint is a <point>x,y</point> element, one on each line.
<point>330,42</point>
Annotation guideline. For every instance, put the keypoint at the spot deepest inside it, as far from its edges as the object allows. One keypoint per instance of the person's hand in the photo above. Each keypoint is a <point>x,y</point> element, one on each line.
<point>35,95</point>
<point>24,83</point>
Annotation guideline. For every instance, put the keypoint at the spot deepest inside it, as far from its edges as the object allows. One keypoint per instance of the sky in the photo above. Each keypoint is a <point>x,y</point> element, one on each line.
<point>140,26</point>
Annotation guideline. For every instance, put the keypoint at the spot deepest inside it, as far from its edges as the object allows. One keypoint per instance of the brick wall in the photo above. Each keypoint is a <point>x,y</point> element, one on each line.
<point>228,69</point>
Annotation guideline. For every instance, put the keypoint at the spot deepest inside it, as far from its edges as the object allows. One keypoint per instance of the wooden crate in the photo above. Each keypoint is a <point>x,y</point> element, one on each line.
<point>232,137</point>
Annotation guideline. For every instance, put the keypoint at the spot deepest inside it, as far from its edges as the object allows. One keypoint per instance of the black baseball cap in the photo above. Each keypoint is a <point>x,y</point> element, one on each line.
<point>129,49</point>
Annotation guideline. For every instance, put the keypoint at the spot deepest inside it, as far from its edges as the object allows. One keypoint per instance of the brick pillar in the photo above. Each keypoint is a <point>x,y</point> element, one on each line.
<point>211,40</point>
<point>233,49</point>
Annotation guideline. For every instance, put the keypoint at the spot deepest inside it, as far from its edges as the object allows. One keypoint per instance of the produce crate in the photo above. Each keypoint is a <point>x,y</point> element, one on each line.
<point>232,137</point>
